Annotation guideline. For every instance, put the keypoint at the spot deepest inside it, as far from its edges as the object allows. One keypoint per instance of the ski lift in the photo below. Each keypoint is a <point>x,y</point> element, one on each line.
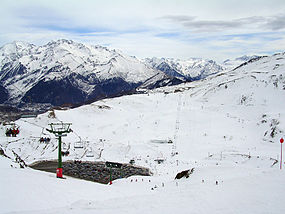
<point>9,124</point>
<point>12,130</point>
<point>78,145</point>
<point>64,146</point>
<point>60,129</point>
<point>43,138</point>
<point>159,160</point>
<point>66,153</point>
<point>89,153</point>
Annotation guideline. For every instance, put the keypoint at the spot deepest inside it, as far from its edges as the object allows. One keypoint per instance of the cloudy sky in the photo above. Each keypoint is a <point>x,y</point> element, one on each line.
<point>213,29</point>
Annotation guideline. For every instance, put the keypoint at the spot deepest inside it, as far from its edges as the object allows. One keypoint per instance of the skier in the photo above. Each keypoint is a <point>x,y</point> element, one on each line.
<point>8,133</point>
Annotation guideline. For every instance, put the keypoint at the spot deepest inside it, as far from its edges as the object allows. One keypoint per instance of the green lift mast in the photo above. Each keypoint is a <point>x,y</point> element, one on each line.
<point>59,130</point>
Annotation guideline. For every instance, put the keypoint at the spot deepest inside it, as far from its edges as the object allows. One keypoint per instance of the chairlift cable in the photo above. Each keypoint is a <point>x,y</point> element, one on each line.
<point>32,123</point>
<point>177,125</point>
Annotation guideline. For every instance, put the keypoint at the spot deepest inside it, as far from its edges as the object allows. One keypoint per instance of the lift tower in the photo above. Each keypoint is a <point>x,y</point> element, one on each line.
<point>59,130</point>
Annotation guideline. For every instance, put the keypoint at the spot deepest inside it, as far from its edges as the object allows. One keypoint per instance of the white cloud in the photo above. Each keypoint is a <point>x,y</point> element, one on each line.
<point>181,28</point>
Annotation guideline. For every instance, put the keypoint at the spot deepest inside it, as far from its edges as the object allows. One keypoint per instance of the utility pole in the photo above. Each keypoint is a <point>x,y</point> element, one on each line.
<point>59,130</point>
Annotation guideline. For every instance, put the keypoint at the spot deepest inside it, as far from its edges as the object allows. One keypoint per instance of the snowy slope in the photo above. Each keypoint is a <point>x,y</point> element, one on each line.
<point>227,127</point>
<point>249,190</point>
<point>191,69</point>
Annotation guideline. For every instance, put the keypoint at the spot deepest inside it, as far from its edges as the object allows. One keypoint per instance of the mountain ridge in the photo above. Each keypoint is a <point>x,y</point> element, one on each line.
<point>189,70</point>
<point>67,72</point>
<point>88,72</point>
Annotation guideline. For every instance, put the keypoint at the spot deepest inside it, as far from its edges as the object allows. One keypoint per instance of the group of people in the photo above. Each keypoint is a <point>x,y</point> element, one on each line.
<point>12,132</point>
<point>65,153</point>
<point>44,139</point>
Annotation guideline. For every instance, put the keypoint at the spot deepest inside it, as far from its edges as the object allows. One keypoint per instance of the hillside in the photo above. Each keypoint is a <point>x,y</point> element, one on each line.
<point>227,127</point>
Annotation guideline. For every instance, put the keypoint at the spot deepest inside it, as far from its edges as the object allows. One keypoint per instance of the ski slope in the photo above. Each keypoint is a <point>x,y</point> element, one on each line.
<point>226,127</point>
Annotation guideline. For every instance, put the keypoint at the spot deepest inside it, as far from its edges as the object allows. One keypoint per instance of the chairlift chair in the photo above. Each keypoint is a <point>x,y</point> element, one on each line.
<point>8,123</point>
<point>64,146</point>
<point>11,129</point>
<point>65,153</point>
<point>89,153</point>
<point>44,138</point>
<point>78,145</point>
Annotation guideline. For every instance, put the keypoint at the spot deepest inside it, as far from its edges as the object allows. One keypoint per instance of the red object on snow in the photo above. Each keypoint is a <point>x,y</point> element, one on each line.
<point>281,141</point>
<point>59,172</point>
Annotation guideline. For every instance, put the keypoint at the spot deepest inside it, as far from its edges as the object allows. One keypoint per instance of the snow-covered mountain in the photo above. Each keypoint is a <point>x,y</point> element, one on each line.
<point>191,69</point>
<point>65,71</point>
<point>233,63</point>
<point>227,127</point>
<point>248,96</point>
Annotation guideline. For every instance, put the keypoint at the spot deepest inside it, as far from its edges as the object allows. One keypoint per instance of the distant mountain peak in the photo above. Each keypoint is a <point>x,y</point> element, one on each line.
<point>190,69</point>
<point>234,63</point>
<point>247,57</point>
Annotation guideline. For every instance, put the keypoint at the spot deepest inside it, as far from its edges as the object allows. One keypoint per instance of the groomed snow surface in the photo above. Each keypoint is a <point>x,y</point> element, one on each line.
<point>227,127</point>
